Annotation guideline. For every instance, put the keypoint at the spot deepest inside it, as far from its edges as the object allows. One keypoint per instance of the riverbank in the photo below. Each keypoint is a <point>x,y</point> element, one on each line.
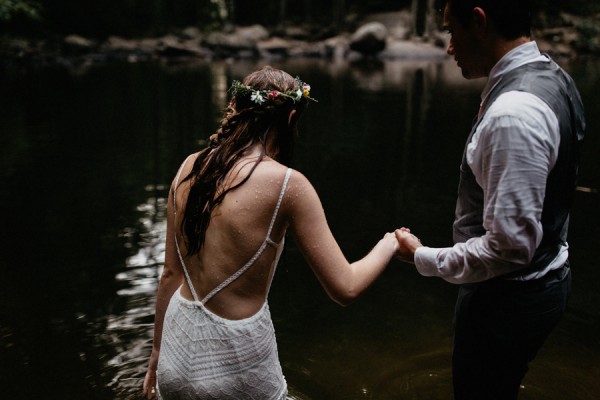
<point>383,36</point>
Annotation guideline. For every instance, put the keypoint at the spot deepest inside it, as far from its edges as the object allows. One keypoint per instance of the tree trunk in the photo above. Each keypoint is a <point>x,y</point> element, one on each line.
<point>423,18</point>
<point>338,12</point>
<point>282,12</point>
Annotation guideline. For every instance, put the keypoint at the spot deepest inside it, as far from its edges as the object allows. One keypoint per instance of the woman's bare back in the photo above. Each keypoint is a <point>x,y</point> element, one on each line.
<point>237,229</point>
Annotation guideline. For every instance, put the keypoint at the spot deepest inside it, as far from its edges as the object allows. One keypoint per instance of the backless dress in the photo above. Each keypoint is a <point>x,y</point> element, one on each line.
<point>205,356</point>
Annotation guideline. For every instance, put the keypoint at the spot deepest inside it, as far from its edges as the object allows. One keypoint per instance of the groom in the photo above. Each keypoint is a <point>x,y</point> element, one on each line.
<point>517,180</point>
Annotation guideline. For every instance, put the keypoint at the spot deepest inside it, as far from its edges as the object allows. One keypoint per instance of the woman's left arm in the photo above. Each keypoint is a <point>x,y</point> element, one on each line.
<point>171,279</point>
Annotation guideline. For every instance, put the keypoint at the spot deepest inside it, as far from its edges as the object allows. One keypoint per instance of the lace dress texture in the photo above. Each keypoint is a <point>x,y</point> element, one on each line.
<point>205,356</point>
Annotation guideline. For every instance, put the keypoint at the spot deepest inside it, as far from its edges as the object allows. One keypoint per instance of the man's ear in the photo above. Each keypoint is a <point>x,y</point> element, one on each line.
<point>291,117</point>
<point>480,21</point>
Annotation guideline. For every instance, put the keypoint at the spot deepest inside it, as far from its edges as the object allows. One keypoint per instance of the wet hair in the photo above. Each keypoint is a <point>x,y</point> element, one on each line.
<point>244,124</point>
<point>511,18</point>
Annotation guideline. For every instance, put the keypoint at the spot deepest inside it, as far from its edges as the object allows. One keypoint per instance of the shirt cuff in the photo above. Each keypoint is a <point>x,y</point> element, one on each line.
<point>426,261</point>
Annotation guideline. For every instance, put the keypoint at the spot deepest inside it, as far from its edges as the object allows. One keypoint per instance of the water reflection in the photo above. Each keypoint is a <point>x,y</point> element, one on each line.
<point>132,329</point>
<point>87,160</point>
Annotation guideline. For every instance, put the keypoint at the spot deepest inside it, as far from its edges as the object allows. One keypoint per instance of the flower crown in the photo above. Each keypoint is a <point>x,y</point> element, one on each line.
<point>261,96</point>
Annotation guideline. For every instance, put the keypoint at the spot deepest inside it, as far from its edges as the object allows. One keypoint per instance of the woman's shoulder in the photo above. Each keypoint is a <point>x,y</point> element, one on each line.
<point>268,173</point>
<point>184,168</point>
<point>299,189</point>
<point>275,172</point>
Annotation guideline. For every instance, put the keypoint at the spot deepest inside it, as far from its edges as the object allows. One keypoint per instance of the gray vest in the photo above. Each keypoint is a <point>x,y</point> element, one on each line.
<point>552,85</point>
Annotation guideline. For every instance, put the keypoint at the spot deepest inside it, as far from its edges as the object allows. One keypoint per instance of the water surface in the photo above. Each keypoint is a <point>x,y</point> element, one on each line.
<point>87,157</point>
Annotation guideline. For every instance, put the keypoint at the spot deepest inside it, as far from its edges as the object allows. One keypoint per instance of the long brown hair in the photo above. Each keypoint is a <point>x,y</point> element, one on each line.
<point>245,123</point>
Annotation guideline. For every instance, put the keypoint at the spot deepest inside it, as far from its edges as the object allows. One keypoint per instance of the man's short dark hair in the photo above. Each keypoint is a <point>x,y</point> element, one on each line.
<point>511,18</point>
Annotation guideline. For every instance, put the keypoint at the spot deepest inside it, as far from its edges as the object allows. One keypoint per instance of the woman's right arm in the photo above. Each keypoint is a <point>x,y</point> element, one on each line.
<point>170,280</point>
<point>343,281</point>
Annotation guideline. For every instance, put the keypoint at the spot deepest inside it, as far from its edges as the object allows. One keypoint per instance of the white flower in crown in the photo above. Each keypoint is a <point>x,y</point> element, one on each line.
<point>257,97</point>
<point>298,94</point>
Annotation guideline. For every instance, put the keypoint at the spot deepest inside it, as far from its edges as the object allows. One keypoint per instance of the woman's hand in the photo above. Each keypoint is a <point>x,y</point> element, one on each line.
<point>390,242</point>
<point>149,388</point>
<point>407,245</point>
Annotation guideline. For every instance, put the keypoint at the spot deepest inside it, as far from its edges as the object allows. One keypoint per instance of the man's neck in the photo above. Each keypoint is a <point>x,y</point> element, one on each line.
<point>502,47</point>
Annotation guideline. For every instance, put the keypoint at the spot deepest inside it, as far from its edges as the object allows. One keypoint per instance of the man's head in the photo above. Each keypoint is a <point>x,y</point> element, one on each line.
<point>482,31</point>
<point>511,18</point>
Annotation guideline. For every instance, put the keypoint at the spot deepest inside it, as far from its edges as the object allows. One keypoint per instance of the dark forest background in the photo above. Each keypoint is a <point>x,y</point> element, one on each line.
<point>145,18</point>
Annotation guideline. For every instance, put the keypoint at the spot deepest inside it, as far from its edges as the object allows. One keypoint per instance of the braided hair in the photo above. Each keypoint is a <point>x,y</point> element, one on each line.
<point>245,123</point>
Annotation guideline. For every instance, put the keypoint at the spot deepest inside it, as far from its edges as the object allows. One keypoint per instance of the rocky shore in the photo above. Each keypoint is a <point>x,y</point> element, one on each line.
<point>384,36</point>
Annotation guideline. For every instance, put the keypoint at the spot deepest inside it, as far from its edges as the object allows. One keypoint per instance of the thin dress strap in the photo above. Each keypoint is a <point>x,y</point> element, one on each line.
<point>187,276</point>
<point>258,253</point>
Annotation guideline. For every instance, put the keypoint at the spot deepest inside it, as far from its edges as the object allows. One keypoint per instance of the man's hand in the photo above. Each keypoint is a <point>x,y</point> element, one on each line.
<point>408,244</point>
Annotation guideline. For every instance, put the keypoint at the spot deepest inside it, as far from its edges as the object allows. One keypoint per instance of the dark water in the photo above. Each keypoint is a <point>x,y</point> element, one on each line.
<point>86,159</point>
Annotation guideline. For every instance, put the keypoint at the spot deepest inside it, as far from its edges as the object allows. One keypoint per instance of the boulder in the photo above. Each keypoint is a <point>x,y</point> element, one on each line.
<point>118,48</point>
<point>116,43</point>
<point>412,50</point>
<point>296,32</point>
<point>185,49</point>
<point>76,45</point>
<point>252,34</point>
<point>274,47</point>
<point>337,47</point>
<point>369,39</point>
<point>308,49</point>
<point>191,32</point>
<point>242,38</point>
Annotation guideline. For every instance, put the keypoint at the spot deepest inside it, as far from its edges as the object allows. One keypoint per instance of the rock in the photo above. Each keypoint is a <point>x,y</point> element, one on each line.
<point>19,47</point>
<point>385,35</point>
<point>398,23</point>
<point>223,44</point>
<point>172,47</point>
<point>116,43</point>
<point>307,49</point>
<point>337,47</point>
<point>554,49</point>
<point>411,50</point>
<point>559,35</point>
<point>191,32</point>
<point>76,45</point>
<point>296,32</point>
<point>369,39</point>
<point>242,38</point>
<point>148,45</point>
<point>131,50</point>
<point>252,34</point>
<point>275,46</point>
<point>174,50</point>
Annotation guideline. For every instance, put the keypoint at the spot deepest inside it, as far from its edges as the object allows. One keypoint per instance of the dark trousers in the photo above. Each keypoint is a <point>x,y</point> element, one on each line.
<point>499,327</point>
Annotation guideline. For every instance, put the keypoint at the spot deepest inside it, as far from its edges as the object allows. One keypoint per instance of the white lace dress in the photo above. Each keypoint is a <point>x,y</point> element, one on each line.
<point>205,356</point>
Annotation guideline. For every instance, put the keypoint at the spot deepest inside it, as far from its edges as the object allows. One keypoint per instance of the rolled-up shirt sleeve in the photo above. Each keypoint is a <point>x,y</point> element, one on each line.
<point>511,154</point>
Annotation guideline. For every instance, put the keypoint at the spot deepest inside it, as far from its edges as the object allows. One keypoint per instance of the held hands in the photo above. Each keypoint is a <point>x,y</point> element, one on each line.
<point>408,244</point>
